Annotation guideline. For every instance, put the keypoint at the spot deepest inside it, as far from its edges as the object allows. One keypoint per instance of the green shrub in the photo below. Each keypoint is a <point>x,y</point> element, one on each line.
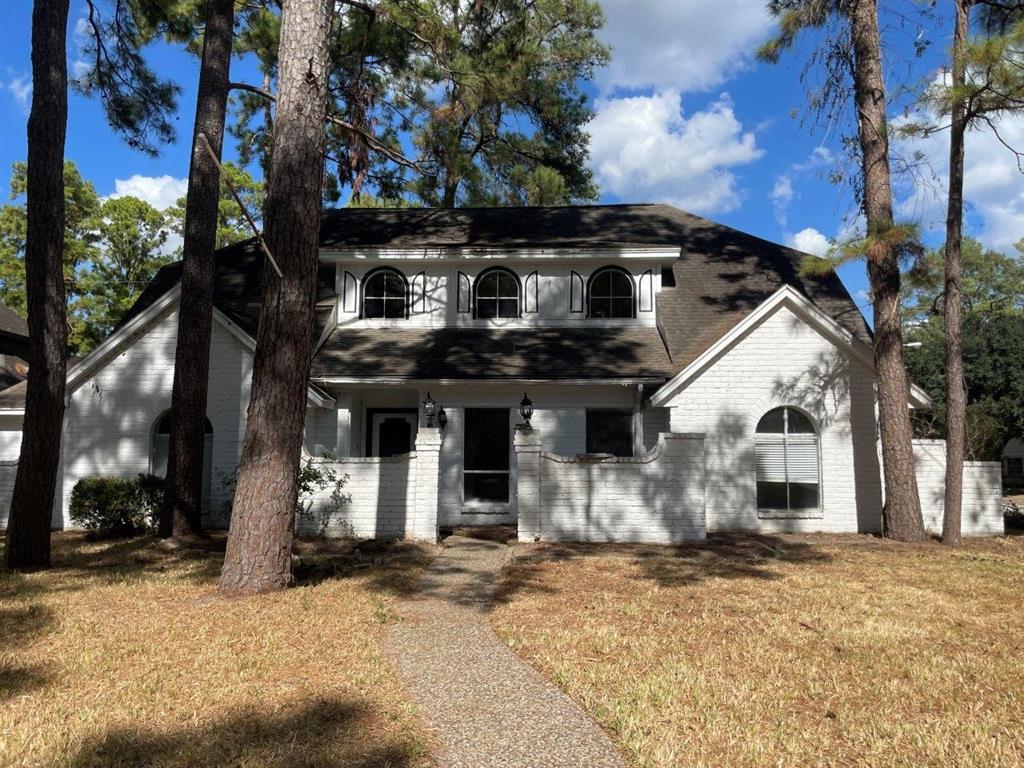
<point>115,505</point>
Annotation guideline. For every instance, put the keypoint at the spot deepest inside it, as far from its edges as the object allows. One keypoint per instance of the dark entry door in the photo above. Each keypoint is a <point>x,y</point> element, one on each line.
<point>486,456</point>
<point>391,433</point>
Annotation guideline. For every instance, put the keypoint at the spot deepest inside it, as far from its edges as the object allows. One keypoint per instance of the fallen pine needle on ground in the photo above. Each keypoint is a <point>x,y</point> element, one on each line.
<point>782,650</point>
<point>123,655</point>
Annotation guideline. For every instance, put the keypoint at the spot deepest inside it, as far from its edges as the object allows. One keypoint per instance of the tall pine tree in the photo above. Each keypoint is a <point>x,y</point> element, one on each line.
<point>28,526</point>
<point>852,57</point>
<point>259,550</point>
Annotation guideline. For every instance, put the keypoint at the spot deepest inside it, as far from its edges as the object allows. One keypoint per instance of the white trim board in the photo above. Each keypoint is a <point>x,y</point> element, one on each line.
<point>786,296</point>
<point>398,381</point>
<point>470,253</point>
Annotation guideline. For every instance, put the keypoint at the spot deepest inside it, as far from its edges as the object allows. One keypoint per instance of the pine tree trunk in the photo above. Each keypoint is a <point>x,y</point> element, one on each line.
<point>902,513</point>
<point>182,512</point>
<point>28,526</point>
<point>258,557</point>
<point>956,396</point>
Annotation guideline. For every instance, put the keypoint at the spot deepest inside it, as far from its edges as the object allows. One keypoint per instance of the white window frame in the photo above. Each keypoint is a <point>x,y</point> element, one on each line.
<point>783,437</point>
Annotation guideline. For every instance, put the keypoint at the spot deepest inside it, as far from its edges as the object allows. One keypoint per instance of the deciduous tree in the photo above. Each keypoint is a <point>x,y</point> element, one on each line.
<point>129,250</point>
<point>111,252</point>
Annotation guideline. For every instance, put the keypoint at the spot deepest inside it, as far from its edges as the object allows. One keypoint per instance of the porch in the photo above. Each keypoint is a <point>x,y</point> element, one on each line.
<point>373,426</point>
<point>655,497</point>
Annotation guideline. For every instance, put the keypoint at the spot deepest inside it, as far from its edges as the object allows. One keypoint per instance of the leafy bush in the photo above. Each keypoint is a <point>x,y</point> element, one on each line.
<point>117,506</point>
<point>313,478</point>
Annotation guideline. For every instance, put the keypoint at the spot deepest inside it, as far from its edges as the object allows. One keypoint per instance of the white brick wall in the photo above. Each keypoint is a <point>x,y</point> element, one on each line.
<point>383,498</point>
<point>109,420</point>
<point>982,513</point>
<point>784,361</point>
<point>655,498</point>
<point>8,471</point>
<point>10,437</point>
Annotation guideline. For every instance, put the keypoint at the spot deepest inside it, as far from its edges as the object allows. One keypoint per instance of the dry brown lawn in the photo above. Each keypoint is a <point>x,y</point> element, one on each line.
<point>781,650</point>
<point>123,655</point>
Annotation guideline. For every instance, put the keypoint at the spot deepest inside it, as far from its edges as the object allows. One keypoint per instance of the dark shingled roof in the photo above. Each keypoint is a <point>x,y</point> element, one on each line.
<point>237,288</point>
<point>469,353</point>
<point>13,346</point>
<point>12,323</point>
<point>720,276</point>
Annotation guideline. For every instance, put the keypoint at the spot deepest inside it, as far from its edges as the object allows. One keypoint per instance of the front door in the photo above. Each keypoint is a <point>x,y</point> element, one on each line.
<point>392,433</point>
<point>485,478</point>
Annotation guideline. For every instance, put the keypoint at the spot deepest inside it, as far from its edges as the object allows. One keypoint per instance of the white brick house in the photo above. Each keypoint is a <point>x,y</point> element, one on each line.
<point>684,378</point>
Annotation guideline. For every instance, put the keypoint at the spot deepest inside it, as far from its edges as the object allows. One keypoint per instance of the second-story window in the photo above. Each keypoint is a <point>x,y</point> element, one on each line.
<point>385,295</point>
<point>610,293</point>
<point>497,293</point>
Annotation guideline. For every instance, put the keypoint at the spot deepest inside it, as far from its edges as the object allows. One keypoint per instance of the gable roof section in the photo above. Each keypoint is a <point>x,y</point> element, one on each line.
<point>806,310</point>
<point>136,322</point>
<point>720,276</point>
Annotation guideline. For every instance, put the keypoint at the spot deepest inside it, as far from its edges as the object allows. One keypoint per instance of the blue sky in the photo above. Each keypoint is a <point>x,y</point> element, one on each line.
<point>684,115</point>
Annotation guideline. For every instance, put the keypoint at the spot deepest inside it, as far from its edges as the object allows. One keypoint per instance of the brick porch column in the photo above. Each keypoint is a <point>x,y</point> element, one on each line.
<point>424,480</point>
<point>528,496</point>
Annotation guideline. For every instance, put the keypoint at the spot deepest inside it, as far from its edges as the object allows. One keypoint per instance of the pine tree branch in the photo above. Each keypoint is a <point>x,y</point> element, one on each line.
<point>374,143</point>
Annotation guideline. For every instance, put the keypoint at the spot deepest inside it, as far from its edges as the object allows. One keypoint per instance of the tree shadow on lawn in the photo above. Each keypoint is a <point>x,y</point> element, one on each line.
<point>80,562</point>
<point>302,736</point>
<point>391,567</point>
<point>21,626</point>
<point>721,555</point>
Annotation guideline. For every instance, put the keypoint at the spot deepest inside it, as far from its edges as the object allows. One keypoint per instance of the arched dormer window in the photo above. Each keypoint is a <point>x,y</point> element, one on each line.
<point>385,295</point>
<point>497,293</point>
<point>611,294</point>
<point>786,448</point>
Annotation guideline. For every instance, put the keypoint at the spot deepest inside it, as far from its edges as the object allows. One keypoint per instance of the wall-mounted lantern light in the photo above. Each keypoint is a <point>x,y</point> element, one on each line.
<point>526,409</point>
<point>429,409</point>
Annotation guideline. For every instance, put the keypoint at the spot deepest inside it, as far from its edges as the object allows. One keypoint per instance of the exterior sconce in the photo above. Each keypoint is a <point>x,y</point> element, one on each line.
<point>526,409</point>
<point>430,409</point>
<point>442,419</point>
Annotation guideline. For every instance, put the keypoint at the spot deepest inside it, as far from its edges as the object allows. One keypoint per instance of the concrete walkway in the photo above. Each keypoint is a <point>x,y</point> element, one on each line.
<point>487,708</point>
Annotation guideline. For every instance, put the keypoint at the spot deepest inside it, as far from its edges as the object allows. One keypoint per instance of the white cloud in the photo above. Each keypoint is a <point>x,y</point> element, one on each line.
<point>159,191</point>
<point>820,157</point>
<point>684,46</point>
<point>82,28</point>
<point>993,184</point>
<point>809,240</point>
<point>20,87</point>
<point>643,147</point>
<point>781,196</point>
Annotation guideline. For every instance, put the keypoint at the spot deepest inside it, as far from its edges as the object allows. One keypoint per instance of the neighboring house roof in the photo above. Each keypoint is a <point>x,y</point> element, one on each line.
<point>13,347</point>
<point>635,352</point>
<point>13,369</point>
<point>11,323</point>
<point>13,398</point>
<point>719,277</point>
